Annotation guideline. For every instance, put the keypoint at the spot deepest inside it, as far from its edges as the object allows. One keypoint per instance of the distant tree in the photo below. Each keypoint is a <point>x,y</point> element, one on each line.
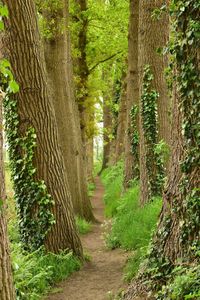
<point>121,121</point>
<point>81,71</point>
<point>57,49</point>
<point>132,121</point>
<point>153,93</point>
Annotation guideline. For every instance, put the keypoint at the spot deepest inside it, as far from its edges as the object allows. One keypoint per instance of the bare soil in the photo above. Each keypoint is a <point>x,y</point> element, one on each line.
<point>103,274</point>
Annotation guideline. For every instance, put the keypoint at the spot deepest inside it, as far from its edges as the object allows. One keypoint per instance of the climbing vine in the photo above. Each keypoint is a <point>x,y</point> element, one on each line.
<point>178,277</point>
<point>32,199</point>
<point>134,136</point>
<point>187,56</point>
<point>149,123</point>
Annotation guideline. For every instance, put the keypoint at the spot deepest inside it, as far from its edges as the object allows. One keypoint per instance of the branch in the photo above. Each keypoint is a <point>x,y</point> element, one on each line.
<point>103,60</point>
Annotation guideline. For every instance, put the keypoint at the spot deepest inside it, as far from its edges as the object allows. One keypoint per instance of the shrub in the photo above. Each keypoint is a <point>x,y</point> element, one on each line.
<point>132,225</point>
<point>183,284</point>
<point>34,273</point>
<point>83,226</point>
<point>112,179</point>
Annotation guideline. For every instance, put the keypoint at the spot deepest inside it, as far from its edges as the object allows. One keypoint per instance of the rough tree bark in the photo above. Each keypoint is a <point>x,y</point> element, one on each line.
<point>121,122</point>
<point>7,291</point>
<point>153,34</point>
<point>132,91</point>
<point>57,57</point>
<point>107,129</point>
<point>177,239</point>
<point>82,74</point>
<point>35,109</point>
<point>182,193</point>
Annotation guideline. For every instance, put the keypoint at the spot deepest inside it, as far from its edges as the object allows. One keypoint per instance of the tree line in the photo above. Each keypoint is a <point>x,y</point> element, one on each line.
<point>59,60</point>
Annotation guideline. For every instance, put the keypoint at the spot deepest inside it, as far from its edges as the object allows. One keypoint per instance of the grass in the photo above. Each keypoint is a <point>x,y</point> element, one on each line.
<point>83,226</point>
<point>112,179</point>
<point>132,225</point>
<point>91,189</point>
<point>35,273</point>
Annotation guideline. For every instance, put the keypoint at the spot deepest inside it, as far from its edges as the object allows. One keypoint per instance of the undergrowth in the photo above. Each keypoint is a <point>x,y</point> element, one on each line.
<point>35,273</point>
<point>112,179</point>
<point>91,189</point>
<point>132,225</point>
<point>83,226</point>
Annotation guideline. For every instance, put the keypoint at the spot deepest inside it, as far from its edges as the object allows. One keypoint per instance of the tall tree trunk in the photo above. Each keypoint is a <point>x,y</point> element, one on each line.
<point>153,34</point>
<point>35,110</point>
<point>90,159</point>
<point>121,122</point>
<point>180,215</point>
<point>131,155</point>
<point>107,129</point>
<point>82,74</point>
<point>114,94</point>
<point>57,57</point>
<point>7,291</point>
<point>176,243</point>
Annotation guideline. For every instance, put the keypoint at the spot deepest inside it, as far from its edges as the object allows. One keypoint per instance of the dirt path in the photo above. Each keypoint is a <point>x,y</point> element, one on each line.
<point>103,274</point>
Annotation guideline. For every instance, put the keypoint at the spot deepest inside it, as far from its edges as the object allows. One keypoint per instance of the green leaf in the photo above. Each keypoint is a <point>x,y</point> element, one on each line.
<point>13,86</point>
<point>4,11</point>
<point>1,25</point>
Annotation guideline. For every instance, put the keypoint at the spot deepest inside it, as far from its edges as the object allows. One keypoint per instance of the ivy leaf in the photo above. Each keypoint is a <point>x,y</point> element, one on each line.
<point>13,86</point>
<point>1,25</point>
<point>1,204</point>
<point>4,11</point>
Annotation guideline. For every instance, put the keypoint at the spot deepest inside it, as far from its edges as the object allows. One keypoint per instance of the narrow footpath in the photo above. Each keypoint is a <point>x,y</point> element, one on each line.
<point>103,274</point>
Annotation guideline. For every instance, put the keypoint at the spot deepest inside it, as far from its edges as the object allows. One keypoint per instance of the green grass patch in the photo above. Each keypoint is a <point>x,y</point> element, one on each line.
<point>112,179</point>
<point>97,167</point>
<point>35,273</point>
<point>83,226</point>
<point>132,225</point>
<point>91,189</point>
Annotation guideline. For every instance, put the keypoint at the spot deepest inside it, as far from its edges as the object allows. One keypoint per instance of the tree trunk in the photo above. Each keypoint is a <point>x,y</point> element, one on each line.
<point>7,291</point>
<point>107,129</point>
<point>181,208</point>
<point>121,122</point>
<point>90,159</point>
<point>153,34</point>
<point>35,110</point>
<point>58,60</point>
<point>82,96</point>
<point>81,67</point>
<point>131,159</point>
<point>175,246</point>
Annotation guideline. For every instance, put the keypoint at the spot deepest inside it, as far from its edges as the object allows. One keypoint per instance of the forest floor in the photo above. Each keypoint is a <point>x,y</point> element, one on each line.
<point>102,276</point>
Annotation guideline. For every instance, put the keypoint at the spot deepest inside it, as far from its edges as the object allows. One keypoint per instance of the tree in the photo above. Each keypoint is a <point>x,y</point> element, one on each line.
<point>82,73</point>
<point>7,291</point>
<point>58,59</point>
<point>121,121</point>
<point>176,242</point>
<point>181,196</point>
<point>132,122</point>
<point>107,130</point>
<point>104,41</point>
<point>153,94</point>
<point>41,187</point>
